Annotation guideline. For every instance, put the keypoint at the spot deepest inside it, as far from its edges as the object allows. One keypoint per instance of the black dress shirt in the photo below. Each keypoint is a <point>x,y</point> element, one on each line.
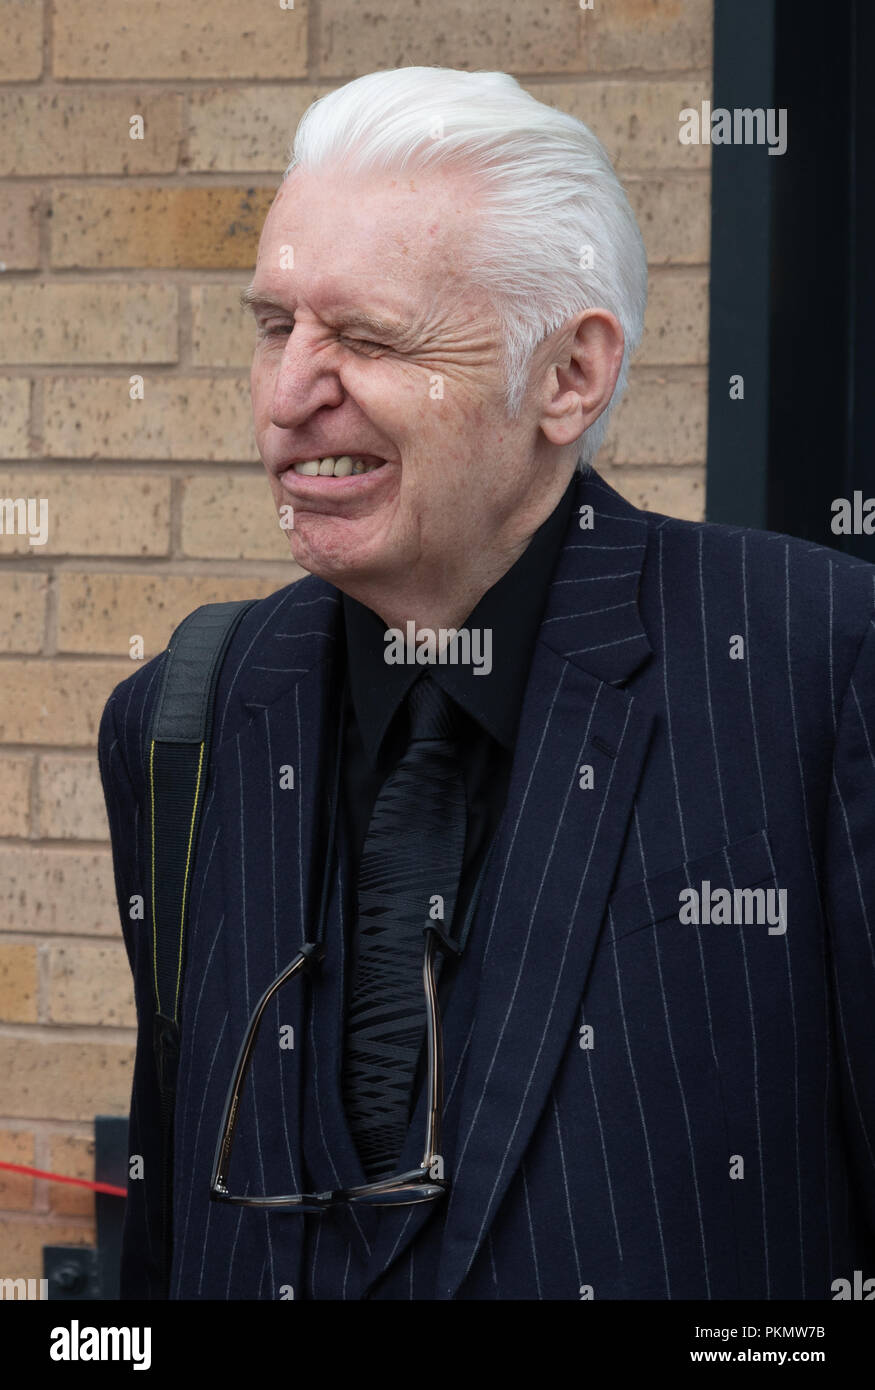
<point>376,729</point>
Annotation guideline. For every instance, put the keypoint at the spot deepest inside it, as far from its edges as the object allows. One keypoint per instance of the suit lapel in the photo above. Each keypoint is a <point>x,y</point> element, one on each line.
<point>515,1002</point>
<point>560,846</point>
<point>557,862</point>
<point>271,780</point>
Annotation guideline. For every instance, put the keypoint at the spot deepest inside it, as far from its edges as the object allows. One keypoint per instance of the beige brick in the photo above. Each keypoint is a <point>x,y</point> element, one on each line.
<point>22,1242</point>
<point>636,121</point>
<point>671,491</point>
<point>15,775</point>
<point>72,1155</point>
<point>18,983</point>
<point>21,53</point>
<point>22,610</point>
<point>64,323</point>
<point>642,34</point>
<point>676,323</point>
<point>88,132</point>
<point>107,226</point>
<point>94,513</point>
<point>245,129</point>
<point>16,1190</point>
<point>90,984</point>
<point>558,38</point>
<point>14,421</point>
<point>71,805</point>
<point>233,517</point>
<point>194,418</point>
<point>674,215</point>
<point>660,421</point>
<point>100,613</point>
<point>159,38</point>
<point>72,1080</point>
<point>222,333</point>
<point>58,890</point>
<point>44,701</point>
<point>19,227</point>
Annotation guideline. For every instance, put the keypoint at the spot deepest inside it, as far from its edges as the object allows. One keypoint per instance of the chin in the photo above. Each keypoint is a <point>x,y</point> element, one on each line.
<point>330,562</point>
<point>333,549</point>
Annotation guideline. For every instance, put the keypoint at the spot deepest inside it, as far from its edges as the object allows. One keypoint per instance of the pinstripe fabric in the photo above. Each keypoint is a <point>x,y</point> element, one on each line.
<point>603,1167</point>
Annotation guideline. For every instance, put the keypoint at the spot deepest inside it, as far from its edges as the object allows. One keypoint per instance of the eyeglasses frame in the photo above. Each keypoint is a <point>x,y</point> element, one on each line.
<point>403,1189</point>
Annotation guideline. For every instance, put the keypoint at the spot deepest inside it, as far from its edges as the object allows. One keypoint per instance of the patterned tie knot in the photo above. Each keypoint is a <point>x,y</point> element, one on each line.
<point>433,714</point>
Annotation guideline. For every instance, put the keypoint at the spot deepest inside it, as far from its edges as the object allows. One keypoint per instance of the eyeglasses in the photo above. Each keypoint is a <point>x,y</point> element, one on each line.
<point>422,1184</point>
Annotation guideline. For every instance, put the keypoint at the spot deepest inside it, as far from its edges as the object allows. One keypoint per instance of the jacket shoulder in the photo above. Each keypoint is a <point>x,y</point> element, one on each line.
<point>128,712</point>
<point>809,568</point>
<point>816,601</point>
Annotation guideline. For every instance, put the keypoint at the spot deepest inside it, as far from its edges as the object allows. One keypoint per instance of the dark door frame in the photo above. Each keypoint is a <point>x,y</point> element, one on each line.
<point>792,291</point>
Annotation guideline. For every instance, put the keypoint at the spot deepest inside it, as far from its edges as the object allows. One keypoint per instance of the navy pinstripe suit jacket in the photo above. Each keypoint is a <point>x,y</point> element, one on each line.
<point>711,1131</point>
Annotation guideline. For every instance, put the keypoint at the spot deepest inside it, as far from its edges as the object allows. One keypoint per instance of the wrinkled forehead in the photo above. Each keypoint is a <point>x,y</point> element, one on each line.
<point>411,229</point>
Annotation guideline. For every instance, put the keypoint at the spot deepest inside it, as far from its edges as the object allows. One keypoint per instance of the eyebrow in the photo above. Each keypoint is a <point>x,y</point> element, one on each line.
<point>250,300</point>
<point>381,329</point>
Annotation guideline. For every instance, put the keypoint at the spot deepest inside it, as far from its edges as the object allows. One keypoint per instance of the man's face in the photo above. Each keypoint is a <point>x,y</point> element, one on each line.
<point>420,390</point>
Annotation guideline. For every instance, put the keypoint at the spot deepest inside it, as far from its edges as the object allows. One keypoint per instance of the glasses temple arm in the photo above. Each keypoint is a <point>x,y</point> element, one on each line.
<point>435,1081</point>
<point>310,954</point>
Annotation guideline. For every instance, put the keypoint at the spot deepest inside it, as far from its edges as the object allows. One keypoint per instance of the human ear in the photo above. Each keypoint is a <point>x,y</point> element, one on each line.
<point>581,378</point>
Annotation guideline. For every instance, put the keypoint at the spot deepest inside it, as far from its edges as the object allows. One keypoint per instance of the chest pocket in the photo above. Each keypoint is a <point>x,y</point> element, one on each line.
<point>745,863</point>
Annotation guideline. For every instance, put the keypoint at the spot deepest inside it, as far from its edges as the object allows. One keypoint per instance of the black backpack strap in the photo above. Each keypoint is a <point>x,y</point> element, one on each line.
<point>177,758</point>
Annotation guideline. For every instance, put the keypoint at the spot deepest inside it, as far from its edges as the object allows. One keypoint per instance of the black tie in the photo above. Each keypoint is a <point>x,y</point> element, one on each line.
<point>413,851</point>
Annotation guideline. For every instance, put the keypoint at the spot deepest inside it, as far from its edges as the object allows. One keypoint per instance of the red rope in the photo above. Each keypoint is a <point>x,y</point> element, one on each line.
<point>61,1177</point>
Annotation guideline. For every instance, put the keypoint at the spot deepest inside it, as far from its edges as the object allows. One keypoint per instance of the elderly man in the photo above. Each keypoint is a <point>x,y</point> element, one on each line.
<point>527,941</point>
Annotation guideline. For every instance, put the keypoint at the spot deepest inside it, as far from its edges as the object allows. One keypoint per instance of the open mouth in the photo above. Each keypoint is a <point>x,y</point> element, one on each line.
<point>341,466</point>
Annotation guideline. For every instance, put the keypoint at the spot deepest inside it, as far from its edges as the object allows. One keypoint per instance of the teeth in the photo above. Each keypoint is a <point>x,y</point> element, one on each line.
<point>329,467</point>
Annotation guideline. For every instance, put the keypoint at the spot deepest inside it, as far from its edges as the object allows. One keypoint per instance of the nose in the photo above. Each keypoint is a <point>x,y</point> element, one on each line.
<point>306,378</point>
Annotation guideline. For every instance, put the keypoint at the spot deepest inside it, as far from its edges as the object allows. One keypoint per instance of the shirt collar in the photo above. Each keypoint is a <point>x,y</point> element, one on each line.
<point>510,611</point>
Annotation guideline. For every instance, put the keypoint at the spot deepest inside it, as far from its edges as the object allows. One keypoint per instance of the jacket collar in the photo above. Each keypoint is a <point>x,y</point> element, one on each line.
<point>592,617</point>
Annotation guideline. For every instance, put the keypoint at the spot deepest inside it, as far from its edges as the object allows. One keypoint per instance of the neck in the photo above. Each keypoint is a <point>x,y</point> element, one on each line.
<point>444,593</point>
<point>435,600</point>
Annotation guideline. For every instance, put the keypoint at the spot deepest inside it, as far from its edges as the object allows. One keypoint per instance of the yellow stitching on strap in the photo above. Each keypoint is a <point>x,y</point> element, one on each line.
<point>185,881</point>
<point>154,923</point>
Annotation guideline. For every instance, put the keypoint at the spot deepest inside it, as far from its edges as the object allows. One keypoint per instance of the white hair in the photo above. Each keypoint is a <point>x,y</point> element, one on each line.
<point>556,235</point>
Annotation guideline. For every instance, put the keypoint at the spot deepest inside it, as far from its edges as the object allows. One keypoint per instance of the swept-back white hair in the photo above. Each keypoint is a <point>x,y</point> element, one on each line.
<point>556,234</point>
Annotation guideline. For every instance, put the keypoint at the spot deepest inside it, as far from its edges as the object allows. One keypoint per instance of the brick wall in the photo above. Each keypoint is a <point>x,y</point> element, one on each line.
<point>124,257</point>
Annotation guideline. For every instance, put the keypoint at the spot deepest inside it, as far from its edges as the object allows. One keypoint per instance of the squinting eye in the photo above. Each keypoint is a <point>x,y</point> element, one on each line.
<point>275,329</point>
<point>365,343</point>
